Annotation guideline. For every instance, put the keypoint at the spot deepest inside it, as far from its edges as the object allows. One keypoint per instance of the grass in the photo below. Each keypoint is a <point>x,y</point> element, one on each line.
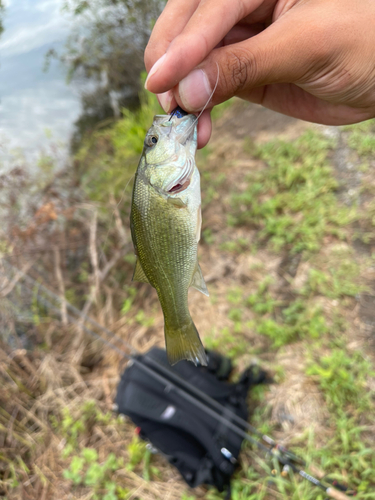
<point>361,138</point>
<point>292,201</point>
<point>292,204</point>
<point>60,437</point>
<point>107,159</point>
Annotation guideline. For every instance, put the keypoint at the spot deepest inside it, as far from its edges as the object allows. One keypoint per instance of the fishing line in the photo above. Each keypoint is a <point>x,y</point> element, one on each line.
<point>333,493</point>
<point>183,138</point>
<point>204,107</point>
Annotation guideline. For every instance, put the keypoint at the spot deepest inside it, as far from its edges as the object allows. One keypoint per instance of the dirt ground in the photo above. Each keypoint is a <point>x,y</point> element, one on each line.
<point>294,402</point>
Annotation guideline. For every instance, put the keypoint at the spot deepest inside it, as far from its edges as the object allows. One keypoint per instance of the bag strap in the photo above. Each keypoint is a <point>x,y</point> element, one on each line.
<point>152,407</point>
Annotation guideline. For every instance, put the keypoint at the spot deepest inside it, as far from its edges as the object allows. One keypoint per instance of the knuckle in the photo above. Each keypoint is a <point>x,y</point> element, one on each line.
<point>241,65</point>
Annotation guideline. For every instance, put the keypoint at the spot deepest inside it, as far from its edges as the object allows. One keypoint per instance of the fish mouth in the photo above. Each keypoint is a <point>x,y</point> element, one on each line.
<point>177,126</point>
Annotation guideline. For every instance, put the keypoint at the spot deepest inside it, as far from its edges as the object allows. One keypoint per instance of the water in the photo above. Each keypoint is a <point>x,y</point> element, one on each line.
<point>36,107</point>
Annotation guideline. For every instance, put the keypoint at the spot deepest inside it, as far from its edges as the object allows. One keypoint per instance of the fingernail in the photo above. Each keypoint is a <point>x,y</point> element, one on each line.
<point>195,90</point>
<point>154,69</point>
<point>165,100</point>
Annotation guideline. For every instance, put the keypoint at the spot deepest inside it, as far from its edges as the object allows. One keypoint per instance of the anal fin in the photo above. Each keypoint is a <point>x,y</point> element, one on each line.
<point>198,281</point>
<point>139,274</point>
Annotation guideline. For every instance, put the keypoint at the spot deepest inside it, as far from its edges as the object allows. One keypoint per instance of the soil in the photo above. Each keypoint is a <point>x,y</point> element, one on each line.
<point>295,402</point>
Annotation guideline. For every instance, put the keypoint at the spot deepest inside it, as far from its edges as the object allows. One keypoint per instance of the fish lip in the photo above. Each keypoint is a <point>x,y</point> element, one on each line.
<point>168,121</point>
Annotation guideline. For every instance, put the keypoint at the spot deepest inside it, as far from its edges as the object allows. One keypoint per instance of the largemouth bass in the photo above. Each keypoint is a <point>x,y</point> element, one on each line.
<point>166,225</point>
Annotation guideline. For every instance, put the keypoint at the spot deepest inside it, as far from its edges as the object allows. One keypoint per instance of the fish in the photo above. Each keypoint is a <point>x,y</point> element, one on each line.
<point>165,224</point>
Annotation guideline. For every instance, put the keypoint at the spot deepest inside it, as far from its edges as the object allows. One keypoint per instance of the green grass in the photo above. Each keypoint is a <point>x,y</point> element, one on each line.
<point>296,322</point>
<point>362,137</point>
<point>234,342</point>
<point>98,472</point>
<point>292,201</point>
<point>293,206</point>
<point>343,378</point>
<point>86,470</point>
<point>108,158</point>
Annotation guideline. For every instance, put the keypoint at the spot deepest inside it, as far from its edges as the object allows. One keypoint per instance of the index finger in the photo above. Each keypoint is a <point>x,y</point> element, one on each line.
<point>170,24</point>
<point>207,26</point>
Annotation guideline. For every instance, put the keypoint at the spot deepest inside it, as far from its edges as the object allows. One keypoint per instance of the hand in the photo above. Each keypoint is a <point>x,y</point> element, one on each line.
<point>311,59</point>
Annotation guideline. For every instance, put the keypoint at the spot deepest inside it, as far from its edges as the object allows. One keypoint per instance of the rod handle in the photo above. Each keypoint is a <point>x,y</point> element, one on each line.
<point>337,495</point>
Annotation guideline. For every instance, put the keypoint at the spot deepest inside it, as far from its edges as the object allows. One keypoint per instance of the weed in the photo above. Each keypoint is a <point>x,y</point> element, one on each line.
<point>143,320</point>
<point>297,321</point>
<point>136,450</point>
<point>127,304</point>
<point>85,470</point>
<point>362,138</point>
<point>340,277</point>
<point>73,426</point>
<point>235,314</point>
<point>262,302</point>
<point>211,181</point>
<point>240,245</point>
<point>343,379</point>
<point>219,110</point>
<point>235,295</point>
<point>207,236</point>
<point>107,159</point>
<point>234,343</point>
<point>293,201</point>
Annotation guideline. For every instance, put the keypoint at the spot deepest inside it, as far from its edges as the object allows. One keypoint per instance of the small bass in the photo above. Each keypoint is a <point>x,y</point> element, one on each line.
<point>166,225</point>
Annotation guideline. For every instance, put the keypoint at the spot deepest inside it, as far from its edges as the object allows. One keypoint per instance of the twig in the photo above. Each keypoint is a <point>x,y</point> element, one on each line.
<point>94,255</point>
<point>19,274</point>
<point>118,255</point>
<point>102,275</point>
<point>60,281</point>
<point>119,225</point>
<point>108,308</point>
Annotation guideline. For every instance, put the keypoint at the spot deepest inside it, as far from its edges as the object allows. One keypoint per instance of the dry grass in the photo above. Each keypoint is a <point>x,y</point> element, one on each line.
<point>65,369</point>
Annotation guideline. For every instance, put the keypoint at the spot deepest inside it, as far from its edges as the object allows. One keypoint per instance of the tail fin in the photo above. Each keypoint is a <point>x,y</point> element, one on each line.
<point>184,343</point>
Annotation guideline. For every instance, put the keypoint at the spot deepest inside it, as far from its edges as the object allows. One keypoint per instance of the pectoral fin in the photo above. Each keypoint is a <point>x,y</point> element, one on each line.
<point>139,274</point>
<point>177,202</point>
<point>198,281</point>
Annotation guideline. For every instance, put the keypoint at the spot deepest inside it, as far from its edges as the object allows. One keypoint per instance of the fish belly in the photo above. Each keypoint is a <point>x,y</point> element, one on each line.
<point>165,240</point>
<point>165,244</point>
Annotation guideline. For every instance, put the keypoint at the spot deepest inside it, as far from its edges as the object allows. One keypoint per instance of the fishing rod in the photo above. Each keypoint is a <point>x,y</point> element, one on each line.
<point>330,491</point>
<point>171,374</point>
<point>280,455</point>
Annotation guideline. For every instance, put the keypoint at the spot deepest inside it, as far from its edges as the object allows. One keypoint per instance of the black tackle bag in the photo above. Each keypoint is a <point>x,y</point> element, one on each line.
<point>203,449</point>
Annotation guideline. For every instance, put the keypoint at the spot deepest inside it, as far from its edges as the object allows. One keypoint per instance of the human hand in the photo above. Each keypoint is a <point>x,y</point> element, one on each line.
<point>311,59</point>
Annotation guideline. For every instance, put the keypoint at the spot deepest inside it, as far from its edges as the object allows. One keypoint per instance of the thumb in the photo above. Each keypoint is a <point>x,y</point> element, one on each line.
<point>284,52</point>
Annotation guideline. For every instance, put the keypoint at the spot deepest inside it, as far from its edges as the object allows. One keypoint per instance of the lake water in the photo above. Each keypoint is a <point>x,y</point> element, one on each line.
<point>34,104</point>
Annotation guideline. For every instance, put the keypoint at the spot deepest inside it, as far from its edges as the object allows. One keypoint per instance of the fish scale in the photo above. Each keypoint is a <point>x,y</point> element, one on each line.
<point>165,226</point>
<point>156,242</point>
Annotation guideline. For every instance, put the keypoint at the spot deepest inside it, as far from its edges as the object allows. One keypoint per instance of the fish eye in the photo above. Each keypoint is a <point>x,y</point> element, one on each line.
<point>152,140</point>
